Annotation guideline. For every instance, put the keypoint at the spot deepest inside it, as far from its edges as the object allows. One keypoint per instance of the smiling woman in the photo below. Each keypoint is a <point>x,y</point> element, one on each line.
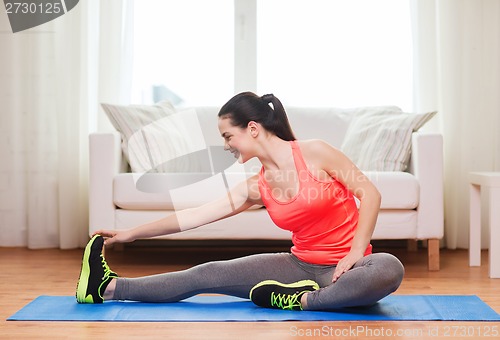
<point>330,234</point>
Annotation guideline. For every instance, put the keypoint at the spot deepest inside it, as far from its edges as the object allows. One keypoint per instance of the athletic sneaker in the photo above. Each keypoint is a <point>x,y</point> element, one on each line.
<point>95,274</point>
<point>274,294</point>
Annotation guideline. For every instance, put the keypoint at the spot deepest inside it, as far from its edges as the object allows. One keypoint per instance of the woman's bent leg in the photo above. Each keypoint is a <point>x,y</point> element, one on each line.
<point>233,277</point>
<point>372,278</point>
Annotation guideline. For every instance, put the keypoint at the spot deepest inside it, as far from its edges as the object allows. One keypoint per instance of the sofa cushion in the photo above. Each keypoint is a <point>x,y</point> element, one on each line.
<point>156,138</point>
<point>396,224</point>
<point>167,191</point>
<point>381,140</point>
<point>399,190</point>
<point>334,122</point>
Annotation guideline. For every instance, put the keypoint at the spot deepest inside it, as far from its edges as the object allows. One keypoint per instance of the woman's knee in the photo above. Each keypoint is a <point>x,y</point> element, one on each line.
<point>390,268</point>
<point>395,270</point>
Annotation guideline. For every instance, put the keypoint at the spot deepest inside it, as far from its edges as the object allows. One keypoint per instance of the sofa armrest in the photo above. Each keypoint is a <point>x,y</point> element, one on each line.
<point>426,164</point>
<point>105,161</point>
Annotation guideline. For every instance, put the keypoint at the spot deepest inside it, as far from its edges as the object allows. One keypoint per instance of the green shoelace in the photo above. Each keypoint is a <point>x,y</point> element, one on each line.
<point>107,274</point>
<point>286,301</point>
<point>107,270</point>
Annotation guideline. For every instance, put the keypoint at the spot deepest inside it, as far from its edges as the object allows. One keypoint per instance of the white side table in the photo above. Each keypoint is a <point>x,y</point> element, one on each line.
<point>489,183</point>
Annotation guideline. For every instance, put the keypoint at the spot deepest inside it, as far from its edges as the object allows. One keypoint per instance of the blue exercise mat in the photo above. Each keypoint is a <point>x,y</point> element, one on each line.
<point>225,308</point>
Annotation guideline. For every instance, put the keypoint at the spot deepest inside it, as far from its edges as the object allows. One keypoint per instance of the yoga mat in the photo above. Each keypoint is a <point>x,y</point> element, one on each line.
<point>225,308</point>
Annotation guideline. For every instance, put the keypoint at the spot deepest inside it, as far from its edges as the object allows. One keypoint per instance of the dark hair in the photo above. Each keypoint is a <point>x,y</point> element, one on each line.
<point>247,106</point>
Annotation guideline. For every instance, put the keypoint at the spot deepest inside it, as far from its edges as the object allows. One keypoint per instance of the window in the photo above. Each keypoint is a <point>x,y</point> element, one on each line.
<point>183,51</point>
<point>335,53</point>
<point>340,53</point>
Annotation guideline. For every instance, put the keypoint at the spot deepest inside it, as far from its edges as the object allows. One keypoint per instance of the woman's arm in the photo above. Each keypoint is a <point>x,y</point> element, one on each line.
<point>242,197</point>
<point>340,167</point>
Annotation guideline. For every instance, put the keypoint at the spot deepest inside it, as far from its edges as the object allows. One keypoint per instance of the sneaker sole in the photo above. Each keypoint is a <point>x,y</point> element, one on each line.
<point>84,274</point>
<point>297,284</point>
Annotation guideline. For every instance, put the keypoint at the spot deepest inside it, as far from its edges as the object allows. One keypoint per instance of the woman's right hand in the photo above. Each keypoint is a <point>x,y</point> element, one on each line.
<point>115,236</point>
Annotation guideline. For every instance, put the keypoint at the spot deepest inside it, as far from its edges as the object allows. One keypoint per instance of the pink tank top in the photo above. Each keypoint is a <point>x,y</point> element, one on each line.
<point>322,216</point>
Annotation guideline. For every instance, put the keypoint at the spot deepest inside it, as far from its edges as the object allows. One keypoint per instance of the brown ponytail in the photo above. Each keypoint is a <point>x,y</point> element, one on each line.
<point>247,106</point>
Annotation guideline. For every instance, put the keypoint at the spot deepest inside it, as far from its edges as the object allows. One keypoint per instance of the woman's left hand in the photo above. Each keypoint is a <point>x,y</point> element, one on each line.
<point>346,263</point>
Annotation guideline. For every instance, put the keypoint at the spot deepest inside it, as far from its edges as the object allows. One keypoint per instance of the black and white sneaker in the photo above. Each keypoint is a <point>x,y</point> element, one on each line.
<point>274,294</point>
<point>95,274</point>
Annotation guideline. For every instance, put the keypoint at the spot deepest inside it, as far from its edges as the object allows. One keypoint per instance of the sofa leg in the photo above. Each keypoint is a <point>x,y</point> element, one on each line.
<point>412,245</point>
<point>433,254</point>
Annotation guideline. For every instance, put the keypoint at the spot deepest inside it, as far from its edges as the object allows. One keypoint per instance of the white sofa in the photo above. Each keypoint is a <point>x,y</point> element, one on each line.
<point>411,208</point>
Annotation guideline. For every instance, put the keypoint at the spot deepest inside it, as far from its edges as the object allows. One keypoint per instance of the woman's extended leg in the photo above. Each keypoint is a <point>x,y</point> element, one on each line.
<point>232,277</point>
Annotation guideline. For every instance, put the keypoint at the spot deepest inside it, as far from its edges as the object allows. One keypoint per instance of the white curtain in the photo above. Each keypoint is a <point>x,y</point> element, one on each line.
<point>50,88</point>
<point>52,78</point>
<point>457,71</point>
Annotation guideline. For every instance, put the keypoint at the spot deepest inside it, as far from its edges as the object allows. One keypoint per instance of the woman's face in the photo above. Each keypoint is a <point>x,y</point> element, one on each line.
<point>236,140</point>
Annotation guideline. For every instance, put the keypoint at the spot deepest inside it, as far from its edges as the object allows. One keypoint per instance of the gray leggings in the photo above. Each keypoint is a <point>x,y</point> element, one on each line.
<point>371,278</point>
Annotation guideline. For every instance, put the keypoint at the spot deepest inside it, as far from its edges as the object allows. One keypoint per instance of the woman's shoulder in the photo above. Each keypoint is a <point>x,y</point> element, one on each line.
<point>319,154</point>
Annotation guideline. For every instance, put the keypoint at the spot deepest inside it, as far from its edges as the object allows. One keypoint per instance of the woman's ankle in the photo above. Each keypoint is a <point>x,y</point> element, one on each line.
<point>303,301</point>
<point>110,290</point>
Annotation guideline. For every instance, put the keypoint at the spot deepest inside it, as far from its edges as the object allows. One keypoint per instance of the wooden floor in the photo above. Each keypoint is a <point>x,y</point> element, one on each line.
<point>26,274</point>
